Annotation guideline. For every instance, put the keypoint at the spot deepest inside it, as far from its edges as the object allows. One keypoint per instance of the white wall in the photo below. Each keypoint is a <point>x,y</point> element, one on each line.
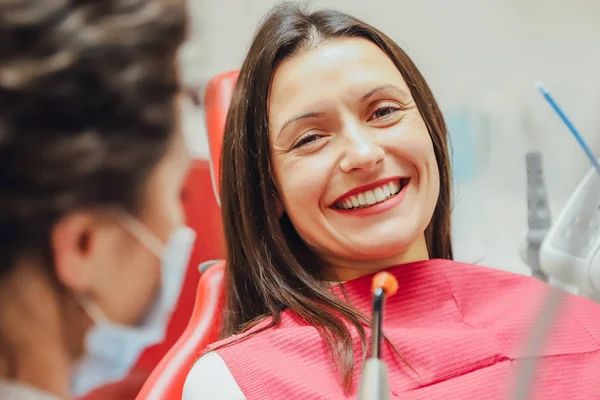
<point>481,58</point>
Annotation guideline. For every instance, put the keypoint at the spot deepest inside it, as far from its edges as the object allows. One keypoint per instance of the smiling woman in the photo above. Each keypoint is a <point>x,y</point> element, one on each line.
<point>335,167</point>
<point>364,131</point>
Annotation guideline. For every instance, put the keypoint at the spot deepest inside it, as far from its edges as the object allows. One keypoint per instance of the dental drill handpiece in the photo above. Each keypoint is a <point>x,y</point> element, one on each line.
<point>374,384</point>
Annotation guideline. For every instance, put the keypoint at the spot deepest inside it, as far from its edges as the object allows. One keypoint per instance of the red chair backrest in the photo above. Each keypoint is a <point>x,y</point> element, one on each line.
<point>167,379</point>
<point>219,93</point>
<point>203,216</point>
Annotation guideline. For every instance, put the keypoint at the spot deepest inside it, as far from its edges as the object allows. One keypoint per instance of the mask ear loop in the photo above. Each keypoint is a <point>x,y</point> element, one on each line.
<point>143,234</point>
<point>92,310</point>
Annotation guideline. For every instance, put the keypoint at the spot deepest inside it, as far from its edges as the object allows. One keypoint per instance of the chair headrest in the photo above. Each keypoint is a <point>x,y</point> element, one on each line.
<point>219,92</point>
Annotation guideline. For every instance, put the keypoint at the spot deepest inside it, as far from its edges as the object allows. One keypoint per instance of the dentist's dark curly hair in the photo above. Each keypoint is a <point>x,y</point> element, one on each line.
<point>87,108</point>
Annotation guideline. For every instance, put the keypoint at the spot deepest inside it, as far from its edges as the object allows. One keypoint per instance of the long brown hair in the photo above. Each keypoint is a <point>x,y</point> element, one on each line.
<point>269,268</point>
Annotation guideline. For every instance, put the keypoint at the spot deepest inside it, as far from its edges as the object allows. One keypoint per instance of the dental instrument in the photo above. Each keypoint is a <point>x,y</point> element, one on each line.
<point>586,149</point>
<point>374,384</point>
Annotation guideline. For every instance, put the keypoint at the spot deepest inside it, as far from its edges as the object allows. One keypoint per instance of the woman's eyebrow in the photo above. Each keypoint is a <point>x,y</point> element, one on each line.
<point>363,99</point>
<point>298,118</point>
<point>371,92</point>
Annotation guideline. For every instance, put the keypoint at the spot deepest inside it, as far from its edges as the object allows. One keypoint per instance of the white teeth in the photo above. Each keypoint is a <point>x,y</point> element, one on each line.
<point>361,199</point>
<point>386,191</point>
<point>371,197</point>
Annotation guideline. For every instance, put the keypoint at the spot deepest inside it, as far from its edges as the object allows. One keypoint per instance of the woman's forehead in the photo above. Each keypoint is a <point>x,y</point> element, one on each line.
<point>346,60</point>
<point>348,67</point>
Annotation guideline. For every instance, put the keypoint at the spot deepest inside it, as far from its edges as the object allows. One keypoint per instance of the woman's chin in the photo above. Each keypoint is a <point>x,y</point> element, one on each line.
<point>388,246</point>
<point>380,243</point>
<point>376,250</point>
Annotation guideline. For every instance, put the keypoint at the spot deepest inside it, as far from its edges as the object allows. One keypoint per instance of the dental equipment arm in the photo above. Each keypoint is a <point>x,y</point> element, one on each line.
<point>539,220</point>
<point>374,384</point>
<point>570,251</point>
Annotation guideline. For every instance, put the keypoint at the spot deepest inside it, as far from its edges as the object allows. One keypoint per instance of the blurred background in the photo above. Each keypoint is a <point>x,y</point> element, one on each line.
<point>481,59</point>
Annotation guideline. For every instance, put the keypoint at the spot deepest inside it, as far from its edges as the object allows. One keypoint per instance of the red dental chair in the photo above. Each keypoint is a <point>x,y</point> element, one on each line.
<point>167,379</point>
<point>219,92</point>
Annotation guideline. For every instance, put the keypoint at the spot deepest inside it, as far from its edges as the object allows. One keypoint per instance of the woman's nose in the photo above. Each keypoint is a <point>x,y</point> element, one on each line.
<point>362,151</point>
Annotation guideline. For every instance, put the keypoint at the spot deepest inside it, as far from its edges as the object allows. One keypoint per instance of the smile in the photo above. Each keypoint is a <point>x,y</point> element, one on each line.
<point>372,197</point>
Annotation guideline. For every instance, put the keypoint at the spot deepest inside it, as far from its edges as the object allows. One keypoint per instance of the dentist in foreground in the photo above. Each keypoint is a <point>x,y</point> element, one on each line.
<point>93,248</point>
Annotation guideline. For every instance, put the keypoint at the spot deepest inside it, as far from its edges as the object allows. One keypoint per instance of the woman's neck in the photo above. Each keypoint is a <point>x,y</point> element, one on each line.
<point>347,270</point>
<point>33,346</point>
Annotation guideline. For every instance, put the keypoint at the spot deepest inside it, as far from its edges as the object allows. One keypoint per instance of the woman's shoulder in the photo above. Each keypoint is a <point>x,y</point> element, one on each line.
<point>241,339</point>
<point>210,378</point>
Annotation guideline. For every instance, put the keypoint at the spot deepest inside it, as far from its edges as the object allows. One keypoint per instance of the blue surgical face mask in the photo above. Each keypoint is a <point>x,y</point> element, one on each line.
<point>111,350</point>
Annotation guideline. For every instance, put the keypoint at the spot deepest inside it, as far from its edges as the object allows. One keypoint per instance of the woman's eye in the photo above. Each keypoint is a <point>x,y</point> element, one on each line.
<point>384,111</point>
<point>306,140</point>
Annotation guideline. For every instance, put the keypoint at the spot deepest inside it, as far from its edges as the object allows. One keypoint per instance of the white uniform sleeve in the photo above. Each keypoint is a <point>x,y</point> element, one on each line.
<point>210,379</point>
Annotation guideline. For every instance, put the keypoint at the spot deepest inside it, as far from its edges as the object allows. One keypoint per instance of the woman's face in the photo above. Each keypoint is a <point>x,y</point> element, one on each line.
<point>353,159</point>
